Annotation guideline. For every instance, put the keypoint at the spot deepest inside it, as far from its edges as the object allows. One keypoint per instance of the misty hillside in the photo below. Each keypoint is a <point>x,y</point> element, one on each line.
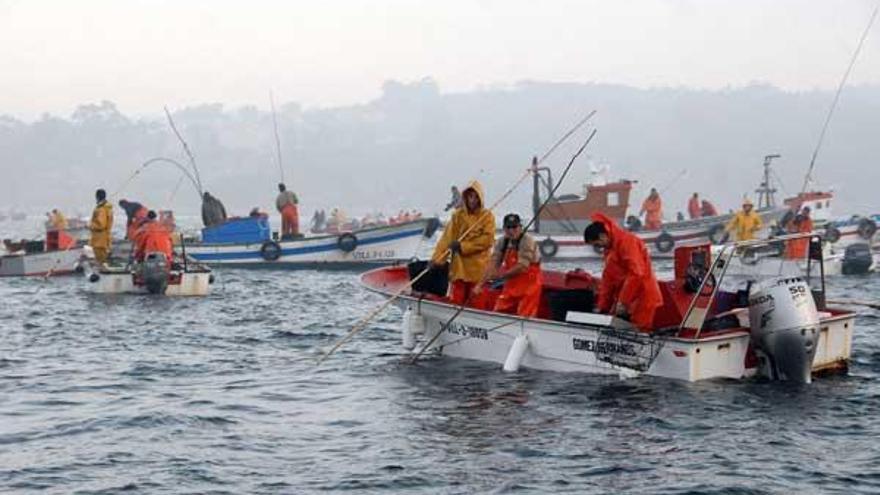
<point>405,148</point>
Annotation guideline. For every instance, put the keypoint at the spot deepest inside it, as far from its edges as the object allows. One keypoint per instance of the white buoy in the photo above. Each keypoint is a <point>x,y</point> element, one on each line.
<point>408,338</point>
<point>516,353</point>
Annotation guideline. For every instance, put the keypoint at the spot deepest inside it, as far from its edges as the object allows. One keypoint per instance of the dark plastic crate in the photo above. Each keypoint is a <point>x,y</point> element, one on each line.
<point>436,281</point>
<point>563,301</point>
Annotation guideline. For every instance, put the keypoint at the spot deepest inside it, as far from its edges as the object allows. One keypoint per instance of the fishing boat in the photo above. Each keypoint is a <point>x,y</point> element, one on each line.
<point>152,276</point>
<point>559,225</point>
<point>248,243</point>
<point>776,327</point>
<point>57,255</point>
<point>853,259</point>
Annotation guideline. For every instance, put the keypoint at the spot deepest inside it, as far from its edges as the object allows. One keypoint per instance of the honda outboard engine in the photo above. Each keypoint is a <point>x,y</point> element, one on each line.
<point>785,327</point>
<point>154,271</point>
<point>857,259</point>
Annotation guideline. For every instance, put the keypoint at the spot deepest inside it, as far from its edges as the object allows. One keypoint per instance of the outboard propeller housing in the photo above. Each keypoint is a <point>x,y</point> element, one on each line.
<point>857,259</point>
<point>154,271</point>
<point>785,327</point>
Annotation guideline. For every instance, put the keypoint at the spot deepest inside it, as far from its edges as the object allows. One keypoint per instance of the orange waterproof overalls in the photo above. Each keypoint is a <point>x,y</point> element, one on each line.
<point>289,219</point>
<point>796,249</point>
<point>522,292</point>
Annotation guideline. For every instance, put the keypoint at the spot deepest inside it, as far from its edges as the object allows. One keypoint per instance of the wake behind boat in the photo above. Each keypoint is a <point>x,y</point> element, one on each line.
<point>247,243</point>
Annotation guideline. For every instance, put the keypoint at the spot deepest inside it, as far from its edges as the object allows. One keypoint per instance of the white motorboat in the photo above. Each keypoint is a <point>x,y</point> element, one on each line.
<point>777,327</point>
<point>153,276</point>
<point>43,258</point>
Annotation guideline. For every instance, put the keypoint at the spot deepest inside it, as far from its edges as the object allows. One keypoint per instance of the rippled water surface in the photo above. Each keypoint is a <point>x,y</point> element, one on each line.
<point>157,395</point>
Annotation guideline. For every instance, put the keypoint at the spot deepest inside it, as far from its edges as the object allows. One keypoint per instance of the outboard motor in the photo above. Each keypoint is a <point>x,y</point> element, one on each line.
<point>154,271</point>
<point>857,259</point>
<point>785,327</point>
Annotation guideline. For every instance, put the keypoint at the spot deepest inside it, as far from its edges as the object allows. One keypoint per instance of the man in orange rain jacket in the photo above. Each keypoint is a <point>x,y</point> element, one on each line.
<point>628,286</point>
<point>707,209</point>
<point>135,213</point>
<point>515,261</point>
<point>694,210</point>
<point>286,203</point>
<point>652,207</point>
<point>153,237</point>
<point>796,249</point>
<point>469,253</point>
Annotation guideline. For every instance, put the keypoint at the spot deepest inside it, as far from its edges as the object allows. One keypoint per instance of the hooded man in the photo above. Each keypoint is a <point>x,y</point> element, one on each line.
<point>468,239</point>
<point>707,209</point>
<point>746,223</point>
<point>652,207</point>
<point>101,226</point>
<point>517,262</point>
<point>213,212</point>
<point>286,203</point>
<point>57,220</point>
<point>153,237</point>
<point>135,214</point>
<point>694,210</point>
<point>628,287</point>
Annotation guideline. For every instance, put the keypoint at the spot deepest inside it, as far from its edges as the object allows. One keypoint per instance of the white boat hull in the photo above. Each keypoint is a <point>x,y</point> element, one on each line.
<point>123,281</point>
<point>41,264</point>
<point>380,245</point>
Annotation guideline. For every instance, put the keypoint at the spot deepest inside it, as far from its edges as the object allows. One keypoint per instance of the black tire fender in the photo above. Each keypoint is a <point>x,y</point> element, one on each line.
<point>664,242</point>
<point>832,235</point>
<point>347,242</point>
<point>867,228</point>
<point>548,248</point>
<point>270,251</point>
<point>718,234</point>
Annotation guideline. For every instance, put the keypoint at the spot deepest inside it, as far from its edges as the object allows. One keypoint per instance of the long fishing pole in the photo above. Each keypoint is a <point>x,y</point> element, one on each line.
<point>158,159</point>
<point>192,159</point>
<point>363,322</point>
<point>672,182</point>
<point>277,139</point>
<point>809,176</point>
<point>525,229</point>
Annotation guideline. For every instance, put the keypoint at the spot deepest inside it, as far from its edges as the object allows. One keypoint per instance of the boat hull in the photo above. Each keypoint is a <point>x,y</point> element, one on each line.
<point>380,245</point>
<point>52,263</point>
<point>123,281</point>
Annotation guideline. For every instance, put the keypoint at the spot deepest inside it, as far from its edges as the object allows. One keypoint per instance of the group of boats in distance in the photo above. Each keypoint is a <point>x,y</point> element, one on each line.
<point>731,310</point>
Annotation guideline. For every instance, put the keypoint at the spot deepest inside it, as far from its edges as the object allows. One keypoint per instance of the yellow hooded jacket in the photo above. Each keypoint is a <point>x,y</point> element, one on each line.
<point>745,225</point>
<point>101,225</point>
<point>476,246</point>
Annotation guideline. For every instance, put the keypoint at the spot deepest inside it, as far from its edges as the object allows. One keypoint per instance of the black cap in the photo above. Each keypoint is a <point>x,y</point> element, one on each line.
<point>511,220</point>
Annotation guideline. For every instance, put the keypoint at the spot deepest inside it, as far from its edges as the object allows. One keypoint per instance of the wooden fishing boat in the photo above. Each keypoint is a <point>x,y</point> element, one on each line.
<point>778,327</point>
<point>152,276</point>
<point>43,258</point>
<point>360,248</point>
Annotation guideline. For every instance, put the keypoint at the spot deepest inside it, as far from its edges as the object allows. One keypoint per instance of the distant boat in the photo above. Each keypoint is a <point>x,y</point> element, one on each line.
<point>43,258</point>
<point>247,243</point>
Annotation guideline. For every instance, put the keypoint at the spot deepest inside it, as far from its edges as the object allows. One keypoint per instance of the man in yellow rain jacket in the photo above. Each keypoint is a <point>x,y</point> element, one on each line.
<point>100,226</point>
<point>470,254</point>
<point>746,223</point>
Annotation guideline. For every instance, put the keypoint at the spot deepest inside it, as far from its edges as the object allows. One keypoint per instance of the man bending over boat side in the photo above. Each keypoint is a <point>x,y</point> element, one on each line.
<point>469,254</point>
<point>153,237</point>
<point>628,288</point>
<point>515,261</point>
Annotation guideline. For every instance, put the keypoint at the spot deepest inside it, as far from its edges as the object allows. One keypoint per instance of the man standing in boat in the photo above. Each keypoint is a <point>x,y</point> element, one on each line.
<point>628,288</point>
<point>746,223</point>
<point>135,214</point>
<point>516,262</point>
<point>796,249</point>
<point>213,211</point>
<point>101,226</point>
<point>286,203</point>
<point>468,239</point>
<point>694,210</point>
<point>652,208</point>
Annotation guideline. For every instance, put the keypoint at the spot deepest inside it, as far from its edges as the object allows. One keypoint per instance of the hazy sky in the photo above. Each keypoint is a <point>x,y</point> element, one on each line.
<point>145,54</point>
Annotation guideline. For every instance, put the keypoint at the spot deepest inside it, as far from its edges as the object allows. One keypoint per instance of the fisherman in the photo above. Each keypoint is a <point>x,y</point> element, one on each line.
<point>746,223</point>
<point>707,209</point>
<point>694,210</point>
<point>455,200</point>
<point>469,236</point>
<point>796,249</point>
<point>213,212</point>
<point>134,213</point>
<point>153,237</point>
<point>628,288</point>
<point>101,226</point>
<point>652,207</point>
<point>286,203</point>
<point>516,262</point>
<point>57,220</point>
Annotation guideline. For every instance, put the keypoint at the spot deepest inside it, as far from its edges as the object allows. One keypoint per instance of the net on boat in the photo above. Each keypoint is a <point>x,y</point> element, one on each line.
<point>627,348</point>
